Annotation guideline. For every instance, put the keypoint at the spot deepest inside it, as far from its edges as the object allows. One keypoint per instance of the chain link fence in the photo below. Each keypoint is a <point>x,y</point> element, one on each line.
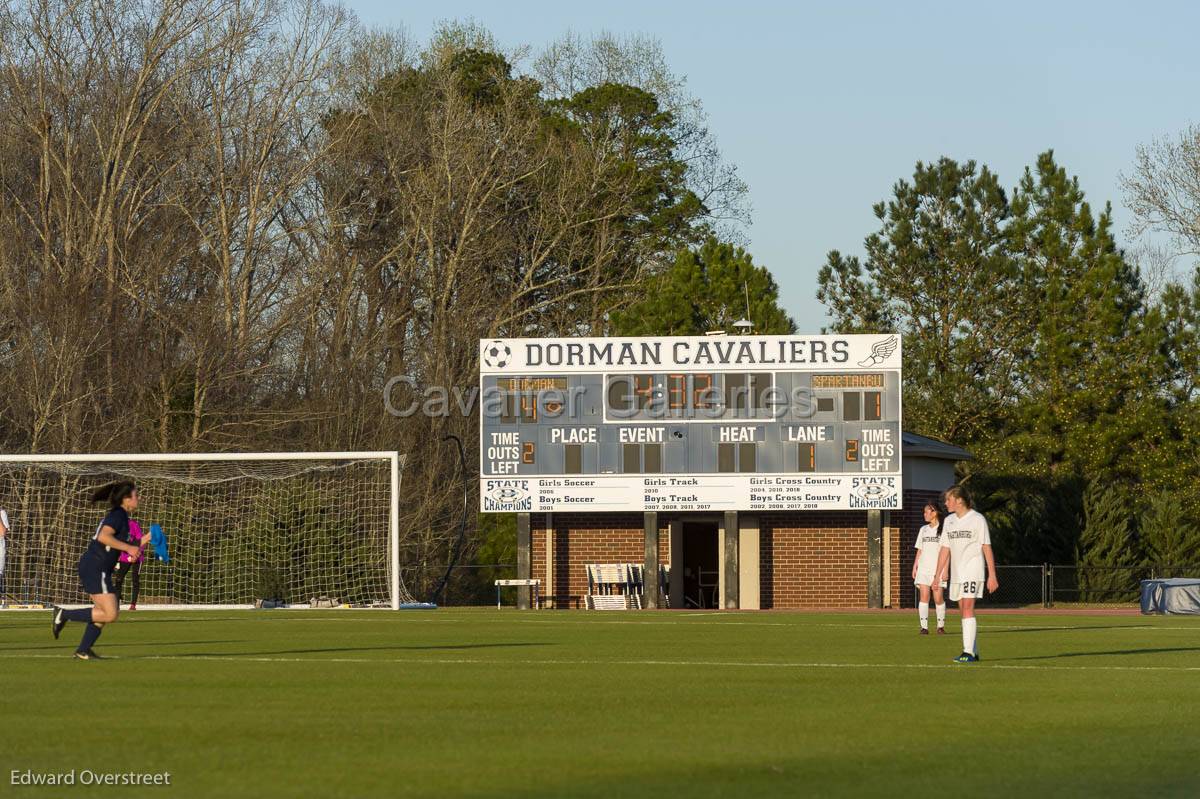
<point>1106,585</point>
<point>471,584</point>
<point>1042,585</point>
<point>1047,585</point>
<point>1021,585</point>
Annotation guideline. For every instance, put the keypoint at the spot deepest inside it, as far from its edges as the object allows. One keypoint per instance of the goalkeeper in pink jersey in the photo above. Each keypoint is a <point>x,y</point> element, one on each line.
<point>125,568</point>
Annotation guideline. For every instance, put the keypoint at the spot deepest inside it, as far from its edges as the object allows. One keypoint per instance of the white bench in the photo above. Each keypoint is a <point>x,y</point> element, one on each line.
<point>613,586</point>
<point>609,601</point>
<point>606,578</point>
<point>535,584</point>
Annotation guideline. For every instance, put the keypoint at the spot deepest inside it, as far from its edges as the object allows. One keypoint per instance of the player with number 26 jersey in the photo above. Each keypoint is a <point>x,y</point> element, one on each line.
<point>966,536</point>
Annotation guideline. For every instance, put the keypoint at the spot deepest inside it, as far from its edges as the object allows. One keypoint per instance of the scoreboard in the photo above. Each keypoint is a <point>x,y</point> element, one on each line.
<point>713,423</point>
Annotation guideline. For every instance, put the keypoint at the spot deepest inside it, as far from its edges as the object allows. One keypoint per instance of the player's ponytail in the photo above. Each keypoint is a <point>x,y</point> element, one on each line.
<point>114,493</point>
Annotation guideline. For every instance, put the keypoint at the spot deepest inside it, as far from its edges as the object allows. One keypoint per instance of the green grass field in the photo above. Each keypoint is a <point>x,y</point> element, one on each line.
<point>549,704</point>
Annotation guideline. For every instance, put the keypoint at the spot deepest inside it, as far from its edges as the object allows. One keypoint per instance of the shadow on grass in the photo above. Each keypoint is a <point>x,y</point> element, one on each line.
<point>66,641</point>
<point>202,655</point>
<point>1158,651</point>
<point>388,648</point>
<point>126,617</point>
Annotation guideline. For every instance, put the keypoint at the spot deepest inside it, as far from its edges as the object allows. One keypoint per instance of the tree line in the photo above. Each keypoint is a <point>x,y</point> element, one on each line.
<point>226,226</point>
<point>1067,366</point>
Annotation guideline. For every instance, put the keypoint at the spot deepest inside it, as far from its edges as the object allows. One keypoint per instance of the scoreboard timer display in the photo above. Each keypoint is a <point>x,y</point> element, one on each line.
<point>749,423</point>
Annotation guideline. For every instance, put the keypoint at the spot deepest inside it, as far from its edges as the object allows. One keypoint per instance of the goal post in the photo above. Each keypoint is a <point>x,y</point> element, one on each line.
<point>240,526</point>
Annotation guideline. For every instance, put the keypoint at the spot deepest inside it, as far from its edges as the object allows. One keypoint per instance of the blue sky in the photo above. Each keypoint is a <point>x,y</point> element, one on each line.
<point>823,107</point>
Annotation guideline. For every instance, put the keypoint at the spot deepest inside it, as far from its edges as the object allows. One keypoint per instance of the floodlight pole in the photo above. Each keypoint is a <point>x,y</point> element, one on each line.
<point>462,530</point>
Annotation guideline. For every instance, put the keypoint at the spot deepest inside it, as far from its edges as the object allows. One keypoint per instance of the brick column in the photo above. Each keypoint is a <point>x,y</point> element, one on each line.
<point>874,559</point>
<point>524,559</point>
<point>650,564</point>
<point>730,532</point>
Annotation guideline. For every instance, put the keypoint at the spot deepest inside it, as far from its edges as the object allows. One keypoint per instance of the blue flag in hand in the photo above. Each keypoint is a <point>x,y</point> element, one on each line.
<point>158,540</point>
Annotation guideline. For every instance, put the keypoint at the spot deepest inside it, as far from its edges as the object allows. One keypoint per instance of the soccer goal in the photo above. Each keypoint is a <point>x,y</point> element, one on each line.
<point>290,526</point>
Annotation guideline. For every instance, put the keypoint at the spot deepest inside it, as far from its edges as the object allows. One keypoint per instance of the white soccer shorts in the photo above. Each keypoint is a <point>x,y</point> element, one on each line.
<point>926,578</point>
<point>967,588</point>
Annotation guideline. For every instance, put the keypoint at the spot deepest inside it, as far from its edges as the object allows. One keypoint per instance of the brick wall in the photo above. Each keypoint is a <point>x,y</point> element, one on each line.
<point>892,535</point>
<point>909,522</point>
<point>810,559</point>
<point>813,560</point>
<point>582,538</point>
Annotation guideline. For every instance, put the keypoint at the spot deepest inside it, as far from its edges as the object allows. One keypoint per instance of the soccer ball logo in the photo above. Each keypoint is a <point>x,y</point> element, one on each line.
<point>497,355</point>
<point>508,494</point>
<point>875,492</point>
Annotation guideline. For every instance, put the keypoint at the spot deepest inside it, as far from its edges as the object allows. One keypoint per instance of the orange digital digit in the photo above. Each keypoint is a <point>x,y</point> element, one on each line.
<point>808,457</point>
<point>527,454</point>
<point>701,386</point>
<point>529,407</point>
<point>643,386</point>
<point>676,387</point>
<point>851,450</point>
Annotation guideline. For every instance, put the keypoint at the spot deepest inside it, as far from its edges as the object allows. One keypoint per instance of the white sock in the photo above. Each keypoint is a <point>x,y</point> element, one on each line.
<point>969,635</point>
<point>941,614</point>
<point>923,614</point>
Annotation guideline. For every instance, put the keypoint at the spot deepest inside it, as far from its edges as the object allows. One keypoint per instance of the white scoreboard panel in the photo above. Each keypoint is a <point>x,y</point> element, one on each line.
<point>748,423</point>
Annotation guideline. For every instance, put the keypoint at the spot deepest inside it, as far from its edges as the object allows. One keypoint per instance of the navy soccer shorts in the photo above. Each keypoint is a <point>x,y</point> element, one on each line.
<point>94,579</point>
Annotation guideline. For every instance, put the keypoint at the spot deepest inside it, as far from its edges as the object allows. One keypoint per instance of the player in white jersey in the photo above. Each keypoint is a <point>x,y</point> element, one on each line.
<point>925,566</point>
<point>966,547</point>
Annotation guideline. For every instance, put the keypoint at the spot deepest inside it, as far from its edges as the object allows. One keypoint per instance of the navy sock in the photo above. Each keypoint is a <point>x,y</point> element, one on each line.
<point>90,634</point>
<point>79,614</point>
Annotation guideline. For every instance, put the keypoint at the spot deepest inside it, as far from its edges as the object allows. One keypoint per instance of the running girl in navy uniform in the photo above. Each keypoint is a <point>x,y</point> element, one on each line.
<point>96,566</point>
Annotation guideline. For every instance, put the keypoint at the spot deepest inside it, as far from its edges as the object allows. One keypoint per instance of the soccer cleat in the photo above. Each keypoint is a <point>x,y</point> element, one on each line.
<point>133,606</point>
<point>88,655</point>
<point>59,621</point>
<point>924,631</point>
<point>941,630</point>
<point>967,657</point>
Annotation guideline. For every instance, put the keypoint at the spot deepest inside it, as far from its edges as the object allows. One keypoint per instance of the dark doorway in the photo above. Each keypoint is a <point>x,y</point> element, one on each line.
<point>701,565</point>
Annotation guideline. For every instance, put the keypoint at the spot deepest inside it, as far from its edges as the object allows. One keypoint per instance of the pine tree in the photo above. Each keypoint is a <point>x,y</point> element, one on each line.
<point>937,272</point>
<point>707,288</point>
<point>1031,521</point>
<point>1084,353</point>
<point>1107,548</point>
<point>1165,455</point>
<point>1171,540</point>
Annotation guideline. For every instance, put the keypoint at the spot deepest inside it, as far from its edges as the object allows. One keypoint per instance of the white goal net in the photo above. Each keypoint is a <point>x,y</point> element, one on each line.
<point>240,527</point>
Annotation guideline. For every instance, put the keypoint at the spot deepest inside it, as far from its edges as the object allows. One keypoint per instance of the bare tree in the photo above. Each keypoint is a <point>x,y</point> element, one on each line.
<point>225,225</point>
<point>159,162</point>
<point>1163,190</point>
<point>87,151</point>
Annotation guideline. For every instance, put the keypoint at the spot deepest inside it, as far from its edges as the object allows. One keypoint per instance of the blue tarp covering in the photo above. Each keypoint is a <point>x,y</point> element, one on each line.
<point>1177,595</point>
